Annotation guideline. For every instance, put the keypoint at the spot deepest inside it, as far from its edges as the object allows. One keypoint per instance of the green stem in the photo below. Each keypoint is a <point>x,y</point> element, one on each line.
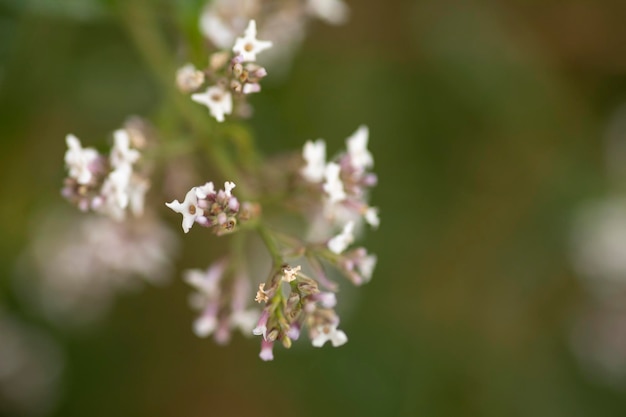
<point>271,245</point>
<point>142,25</point>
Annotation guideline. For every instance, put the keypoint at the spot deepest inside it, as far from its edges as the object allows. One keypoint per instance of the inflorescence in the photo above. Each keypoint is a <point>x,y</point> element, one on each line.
<point>299,294</point>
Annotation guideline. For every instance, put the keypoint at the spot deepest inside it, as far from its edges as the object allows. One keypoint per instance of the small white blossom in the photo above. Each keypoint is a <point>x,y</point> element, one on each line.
<point>330,332</point>
<point>205,190</point>
<point>79,160</point>
<point>360,157</point>
<point>248,45</point>
<point>339,243</point>
<point>366,266</point>
<point>189,79</point>
<point>333,185</point>
<point>331,11</point>
<point>218,100</point>
<point>207,281</point>
<point>371,217</point>
<point>228,187</point>
<point>220,21</point>
<point>115,192</point>
<point>204,325</point>
<point>121,153</point>
<point>245,320</point>
<point>314,154</point>
<point>188,208</point>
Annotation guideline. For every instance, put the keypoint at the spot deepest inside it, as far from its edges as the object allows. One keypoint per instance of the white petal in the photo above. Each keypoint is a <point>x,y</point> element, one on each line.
<point>204,326</point>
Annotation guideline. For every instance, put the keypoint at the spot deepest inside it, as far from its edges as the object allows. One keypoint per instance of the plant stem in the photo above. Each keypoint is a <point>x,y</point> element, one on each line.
<point>142,25</point>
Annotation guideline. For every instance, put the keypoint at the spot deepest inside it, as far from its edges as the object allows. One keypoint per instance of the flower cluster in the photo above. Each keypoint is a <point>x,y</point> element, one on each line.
<point>343,182</point>
<point>228,75</point>
<point>285,314</point>
<point>75,267</point>
<point>220,211</point>
<point>283,21</point>
<point>330,196</point>
<point>222,298</point>
<point>105,185</point>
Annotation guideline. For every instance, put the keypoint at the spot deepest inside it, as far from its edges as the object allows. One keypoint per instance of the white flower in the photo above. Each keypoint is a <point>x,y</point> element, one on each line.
<point>371,217</point>
<point>222,20</point>
<point>205,190</point>
<point>332,11</point>
<point>188,208</point>
<point>330,332</point>
<point>189,79</point>
<point>248,46</point>
<point>245,320</point>
<point>79,159</point>
<point>218,100</point>
<point>121,154</point>
<point>314,153</point>
<point>366,266</point>
<point>205,325</point>
<point>333,185</point>
<point>360,157</point>
<point>115,192</point>
<point>207,281</point>
<point>340,242</point>
<point>228,187</point>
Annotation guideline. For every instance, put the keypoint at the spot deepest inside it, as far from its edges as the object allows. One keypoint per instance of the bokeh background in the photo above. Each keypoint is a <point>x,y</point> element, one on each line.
<point>489,123</point>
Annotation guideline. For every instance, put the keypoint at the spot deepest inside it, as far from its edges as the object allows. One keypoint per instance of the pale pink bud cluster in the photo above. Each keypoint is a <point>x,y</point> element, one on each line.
<point>343,182</point>
<point>110,186</point>
<point>222,299</point>
<point>230,76</point>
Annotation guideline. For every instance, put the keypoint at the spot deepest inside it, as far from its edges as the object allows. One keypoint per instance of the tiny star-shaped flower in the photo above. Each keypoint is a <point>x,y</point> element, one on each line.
<point>218,100</point>
<point>188,208</point>
<point>248,45</point>
<point>329,332</point>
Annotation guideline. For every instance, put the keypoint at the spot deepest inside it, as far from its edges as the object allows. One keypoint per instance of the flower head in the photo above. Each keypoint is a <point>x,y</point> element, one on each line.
<point>249,46</point>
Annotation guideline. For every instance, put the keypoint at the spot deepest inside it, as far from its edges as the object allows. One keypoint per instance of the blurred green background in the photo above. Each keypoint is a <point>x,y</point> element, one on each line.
<point>487,123</point>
